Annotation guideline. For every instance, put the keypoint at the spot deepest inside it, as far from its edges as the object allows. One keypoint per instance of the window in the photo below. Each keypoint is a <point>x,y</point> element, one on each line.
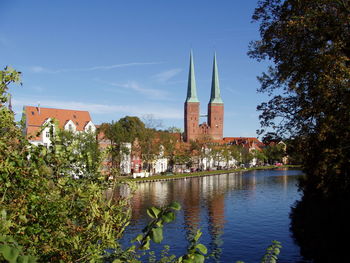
<point>47,134</point>
<point>32,112</point>
<point>74,116</point>
<point>70,127</point>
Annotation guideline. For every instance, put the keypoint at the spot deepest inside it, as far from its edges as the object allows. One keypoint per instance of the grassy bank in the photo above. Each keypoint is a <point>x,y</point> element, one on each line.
<point>200,174</point>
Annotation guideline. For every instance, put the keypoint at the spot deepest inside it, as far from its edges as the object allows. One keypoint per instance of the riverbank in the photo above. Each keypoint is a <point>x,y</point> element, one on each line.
<point>156,178</point>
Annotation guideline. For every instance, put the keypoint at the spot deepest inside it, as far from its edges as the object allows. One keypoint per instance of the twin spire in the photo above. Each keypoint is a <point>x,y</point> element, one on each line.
<point>215,96</point>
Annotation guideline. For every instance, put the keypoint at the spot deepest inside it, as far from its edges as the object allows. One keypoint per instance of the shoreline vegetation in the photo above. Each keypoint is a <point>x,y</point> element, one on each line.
<point>177,176</point>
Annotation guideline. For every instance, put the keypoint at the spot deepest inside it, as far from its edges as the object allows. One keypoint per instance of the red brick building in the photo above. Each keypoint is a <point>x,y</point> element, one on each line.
<point>215,119</point>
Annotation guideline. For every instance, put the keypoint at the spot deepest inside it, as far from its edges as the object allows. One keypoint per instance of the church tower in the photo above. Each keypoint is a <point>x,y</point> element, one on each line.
<point>191,106</point>
<point>216,107</point>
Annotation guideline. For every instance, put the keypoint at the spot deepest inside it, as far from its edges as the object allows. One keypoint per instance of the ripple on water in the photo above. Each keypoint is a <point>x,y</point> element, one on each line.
<point>239,214</point>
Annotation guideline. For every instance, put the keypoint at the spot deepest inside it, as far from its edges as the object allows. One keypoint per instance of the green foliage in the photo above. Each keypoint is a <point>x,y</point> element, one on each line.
<point>272,253</point>
<point>195,252</point>
<point>53,216</point>
<point>274,152</point>
<point>308,43</point>
<point>9,249</point>
<point>83,150</point>
<point>154,230</point>
<point>130,130</point>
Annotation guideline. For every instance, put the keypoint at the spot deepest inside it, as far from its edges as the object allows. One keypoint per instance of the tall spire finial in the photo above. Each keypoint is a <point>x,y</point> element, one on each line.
<point>191,88</point>
<point>215,88</point>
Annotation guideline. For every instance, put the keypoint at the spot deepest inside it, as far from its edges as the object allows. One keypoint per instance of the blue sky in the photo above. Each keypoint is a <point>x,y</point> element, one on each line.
<point>118,58</point>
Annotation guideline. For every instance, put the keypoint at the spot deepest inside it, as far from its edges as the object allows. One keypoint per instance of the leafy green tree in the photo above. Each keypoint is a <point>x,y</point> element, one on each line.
<point>308,43</point>
<point>274,153</point>
<point>126,130</point>
<point>182,156</point>
<point>236,153</point>
<point>84,150</point>
<point>133,128</point>
<point>226,154</point>
<point>260,156</point>
<point>200,149</point>
<point>246,155</point>
<point>149,147</point>
<point>169,143</point>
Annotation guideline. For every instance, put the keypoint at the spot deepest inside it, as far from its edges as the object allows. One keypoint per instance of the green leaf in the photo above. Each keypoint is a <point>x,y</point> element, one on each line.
<point>26,259</point>
<point>9,253</point>
<point>276,251</point>
<point>198,258</point>
<point>175,206</point>
<point>138,238</point>
<point>168,217</point>
<point>157,234</point>
<point>32,259</point>
<point>145,246</point>
<point>131,249</point>
<point>153,212</point>
<point>201,248</point>
<point>197,236</point>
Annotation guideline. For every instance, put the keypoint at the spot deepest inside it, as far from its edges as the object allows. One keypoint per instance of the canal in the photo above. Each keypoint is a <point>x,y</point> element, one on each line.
<point>239,213</point>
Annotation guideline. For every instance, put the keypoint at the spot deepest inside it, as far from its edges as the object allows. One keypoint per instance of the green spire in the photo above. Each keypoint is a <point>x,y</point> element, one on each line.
<point>215,89</point>
<point>191,88</point>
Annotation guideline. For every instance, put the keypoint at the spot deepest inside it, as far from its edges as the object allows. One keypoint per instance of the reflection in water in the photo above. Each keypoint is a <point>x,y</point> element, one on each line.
<point>239,213</point>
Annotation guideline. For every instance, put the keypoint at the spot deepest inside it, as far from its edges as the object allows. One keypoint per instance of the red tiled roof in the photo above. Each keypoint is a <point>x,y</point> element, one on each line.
<point>35,117</point>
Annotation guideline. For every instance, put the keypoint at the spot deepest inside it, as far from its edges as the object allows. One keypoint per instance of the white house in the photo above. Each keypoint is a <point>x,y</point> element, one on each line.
<point>37,117</point>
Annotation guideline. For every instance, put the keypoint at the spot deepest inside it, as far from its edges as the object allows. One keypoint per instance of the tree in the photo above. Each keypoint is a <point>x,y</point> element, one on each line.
<point>149,147</point>
<point>170,145</point>
<point>246,155</point>
<point>116,135</point>
<point>132,128</point>
<point>174,129</point>
<point>236,153</point>
<point>274,152</point>
<point>260,156</point>
<point>309,45</point>
<point>308,41</point>
<point>200,150</point>
<point>226,154</point>
<point>84,150</point>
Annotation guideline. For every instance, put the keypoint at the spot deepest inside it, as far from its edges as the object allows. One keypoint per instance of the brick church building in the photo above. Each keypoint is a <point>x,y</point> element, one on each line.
<point>214,126</point>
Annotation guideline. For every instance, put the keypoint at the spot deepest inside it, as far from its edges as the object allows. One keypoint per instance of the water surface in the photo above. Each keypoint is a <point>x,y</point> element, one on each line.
<point>238,213</point>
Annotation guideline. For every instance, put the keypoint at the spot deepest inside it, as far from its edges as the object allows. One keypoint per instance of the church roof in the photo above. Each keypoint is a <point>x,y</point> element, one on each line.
<point>191,88</point>
<point>215,88</point>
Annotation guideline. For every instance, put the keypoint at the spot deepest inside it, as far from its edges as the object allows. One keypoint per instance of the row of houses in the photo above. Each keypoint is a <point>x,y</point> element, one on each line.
<point>76,121</point>
<point>37,130</point>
